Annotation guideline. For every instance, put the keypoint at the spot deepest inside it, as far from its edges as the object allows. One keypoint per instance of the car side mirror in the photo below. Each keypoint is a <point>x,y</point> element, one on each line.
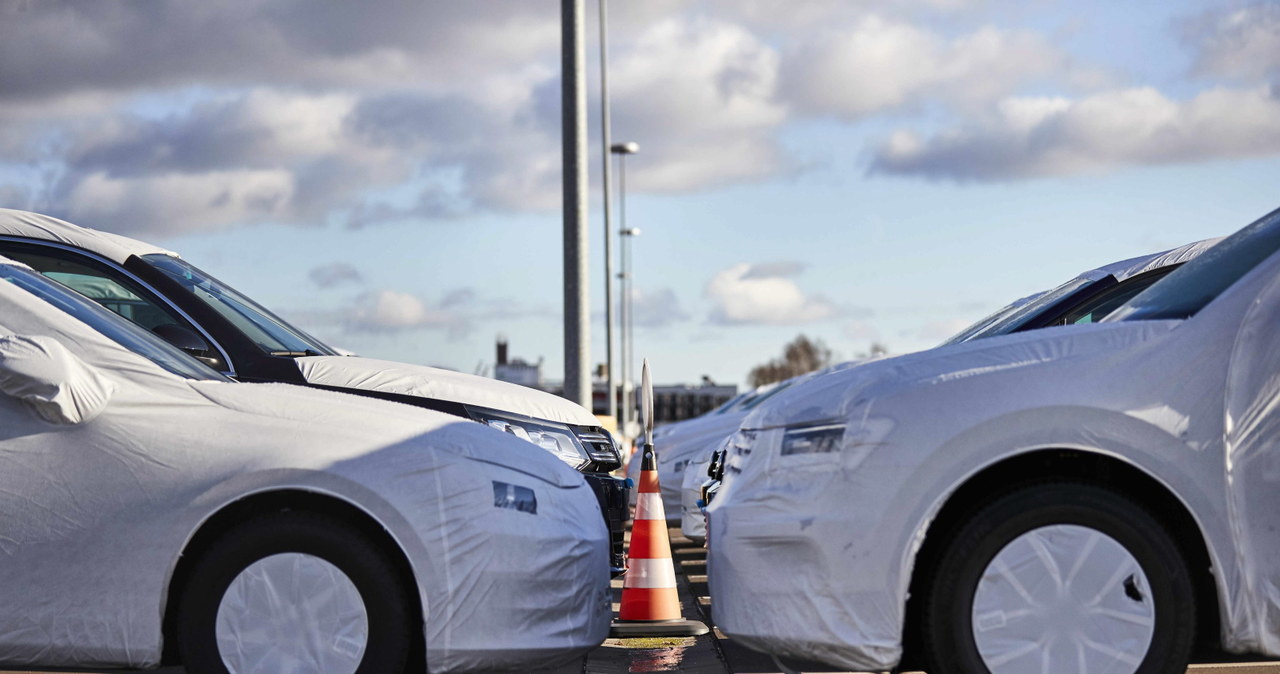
<point>181,337</point>
<point>51,380</point>
<point>189,341</point>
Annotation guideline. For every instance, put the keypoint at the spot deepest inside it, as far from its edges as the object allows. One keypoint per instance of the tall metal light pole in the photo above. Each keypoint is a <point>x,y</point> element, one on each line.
<point>612,409</point>
<point>573,101</point>
<point>622,150</point>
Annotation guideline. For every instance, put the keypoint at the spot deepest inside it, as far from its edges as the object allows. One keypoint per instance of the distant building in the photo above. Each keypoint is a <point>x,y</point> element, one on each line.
<point>516,371</point>
<point>670,403</point>
<point>679,402</point>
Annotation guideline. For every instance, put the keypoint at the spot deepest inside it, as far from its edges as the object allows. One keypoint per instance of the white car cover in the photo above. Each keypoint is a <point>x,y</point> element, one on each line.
<point>676,451</point>
<point>343,372</point>
<point>111,246</point>
<point>695,439</point>
<point>432,382</point>
<point>811,554</point>
<point>58,386</point>
<point>1142,264</point>
<point>1253,473</point>
<point>693,522</point>
<point>97,510</point>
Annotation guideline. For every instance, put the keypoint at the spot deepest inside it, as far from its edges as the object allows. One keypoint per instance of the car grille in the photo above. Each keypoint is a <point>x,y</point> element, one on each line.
<point>599,444</point>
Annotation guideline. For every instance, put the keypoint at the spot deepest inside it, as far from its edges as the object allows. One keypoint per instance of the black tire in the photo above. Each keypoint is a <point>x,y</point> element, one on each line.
<point>947,630</point>
<point>386,596</point>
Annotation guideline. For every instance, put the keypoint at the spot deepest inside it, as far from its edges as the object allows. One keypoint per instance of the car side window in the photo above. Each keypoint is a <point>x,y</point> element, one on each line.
<point>109,287</point>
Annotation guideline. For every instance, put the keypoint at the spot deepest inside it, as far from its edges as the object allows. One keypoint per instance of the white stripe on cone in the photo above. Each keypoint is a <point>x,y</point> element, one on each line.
<point>650,573</point>
<point>649,507</point>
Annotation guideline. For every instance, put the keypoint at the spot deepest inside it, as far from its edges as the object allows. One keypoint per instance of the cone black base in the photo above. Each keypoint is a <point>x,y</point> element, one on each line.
<point>656,628</point>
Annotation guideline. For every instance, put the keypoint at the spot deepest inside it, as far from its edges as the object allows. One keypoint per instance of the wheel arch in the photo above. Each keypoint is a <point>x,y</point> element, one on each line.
<point>237,511</point>
<point>1043,465</point>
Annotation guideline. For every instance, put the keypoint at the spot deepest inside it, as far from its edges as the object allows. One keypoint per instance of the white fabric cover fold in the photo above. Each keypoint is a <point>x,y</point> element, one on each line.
<point>56,384</point>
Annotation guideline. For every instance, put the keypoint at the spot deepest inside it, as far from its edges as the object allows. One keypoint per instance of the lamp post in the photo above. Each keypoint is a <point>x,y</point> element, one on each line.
<point>573,103</point>
<point>611,407</point>
<point>628,346</point>
<point>622,150</point>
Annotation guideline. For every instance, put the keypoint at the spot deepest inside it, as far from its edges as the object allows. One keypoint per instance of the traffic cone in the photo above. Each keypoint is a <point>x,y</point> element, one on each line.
<point>650,603</point>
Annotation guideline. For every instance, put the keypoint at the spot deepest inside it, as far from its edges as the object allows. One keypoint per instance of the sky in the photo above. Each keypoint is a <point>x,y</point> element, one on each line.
<point>386,174</point>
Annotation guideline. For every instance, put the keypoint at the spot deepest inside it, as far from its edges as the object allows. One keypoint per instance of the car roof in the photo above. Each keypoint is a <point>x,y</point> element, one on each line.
<point>1126,269</point>
<point>45,228</point>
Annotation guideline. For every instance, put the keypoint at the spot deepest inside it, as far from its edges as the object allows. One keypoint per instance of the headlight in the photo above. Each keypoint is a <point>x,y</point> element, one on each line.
<point>736,447</point>
<point>823,439</point>
<point>555,438</point>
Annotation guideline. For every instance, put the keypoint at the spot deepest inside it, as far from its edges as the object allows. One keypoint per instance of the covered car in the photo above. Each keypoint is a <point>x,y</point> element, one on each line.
<point>164,293</point>
<point>155,512</point>
<point>683,461</point>
<point>676,447</point>
<point>1086,298</point>
<point>1097,497</point>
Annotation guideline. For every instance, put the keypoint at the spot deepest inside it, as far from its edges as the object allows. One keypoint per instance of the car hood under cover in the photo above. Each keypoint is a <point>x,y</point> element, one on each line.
<point>833,397</point>
<point>368,374</point>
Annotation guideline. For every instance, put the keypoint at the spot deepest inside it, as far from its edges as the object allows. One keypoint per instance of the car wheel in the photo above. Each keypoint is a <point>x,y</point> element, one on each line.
<point>1059,577</point>
<point>295,591</point>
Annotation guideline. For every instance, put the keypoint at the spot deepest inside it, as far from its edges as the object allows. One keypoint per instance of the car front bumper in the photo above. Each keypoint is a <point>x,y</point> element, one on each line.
<point>613,493</point>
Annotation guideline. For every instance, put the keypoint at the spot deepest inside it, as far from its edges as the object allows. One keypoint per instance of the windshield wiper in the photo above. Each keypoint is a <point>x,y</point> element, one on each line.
<point>296,354</point>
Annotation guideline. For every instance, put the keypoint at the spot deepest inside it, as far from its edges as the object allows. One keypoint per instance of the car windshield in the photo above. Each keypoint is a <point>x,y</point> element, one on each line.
<point>117,329</point>
<point>730,403</point>
<point>1014,316</point>
<point>759,398</point>
<point>267,330</point>
<point>1196,283</point>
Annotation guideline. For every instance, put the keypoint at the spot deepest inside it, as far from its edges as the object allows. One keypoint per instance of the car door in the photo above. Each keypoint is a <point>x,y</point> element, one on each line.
<point>1252,433</point>
<point>116,289</point>
<point>79,499</point>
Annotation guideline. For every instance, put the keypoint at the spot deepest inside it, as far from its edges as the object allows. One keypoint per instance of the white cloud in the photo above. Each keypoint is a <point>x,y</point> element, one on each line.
<point>385,311</point>
<point>335,273</point>
<point>395,311</point>
<point>457,101</point>
<point>1240,42</point>
<point>742,295</point>
<point>878,64</point>
<point>153,204</point>
<point>658,308</point>
<point>700,95</point>
<point>1028,137</point>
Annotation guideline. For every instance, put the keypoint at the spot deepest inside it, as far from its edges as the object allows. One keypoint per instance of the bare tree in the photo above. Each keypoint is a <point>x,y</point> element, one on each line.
<point>877,349</point>
<point>799,356</point>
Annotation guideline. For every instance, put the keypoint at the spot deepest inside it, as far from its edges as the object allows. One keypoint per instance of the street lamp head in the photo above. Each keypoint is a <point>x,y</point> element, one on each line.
<point>631,231</point>
<point>629,147</point>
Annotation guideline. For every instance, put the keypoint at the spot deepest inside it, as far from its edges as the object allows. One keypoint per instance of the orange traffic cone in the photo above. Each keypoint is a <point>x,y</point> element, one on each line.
<point>650,604</point>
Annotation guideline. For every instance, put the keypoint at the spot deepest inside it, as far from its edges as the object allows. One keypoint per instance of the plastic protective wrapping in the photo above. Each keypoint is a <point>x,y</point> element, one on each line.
<point>1253,473</point>
<point>54,382</point>
<point>1017,620</point>
<point>694,439</point>
<point>693,522</point>
<point>97,514</point>
<point>112,246</point>
<point>675,451</point>
<point>831,487</point>
<point>1125,269</point>
<point>341,372</point>
<point>432,382</point>
<point>321,600</point>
